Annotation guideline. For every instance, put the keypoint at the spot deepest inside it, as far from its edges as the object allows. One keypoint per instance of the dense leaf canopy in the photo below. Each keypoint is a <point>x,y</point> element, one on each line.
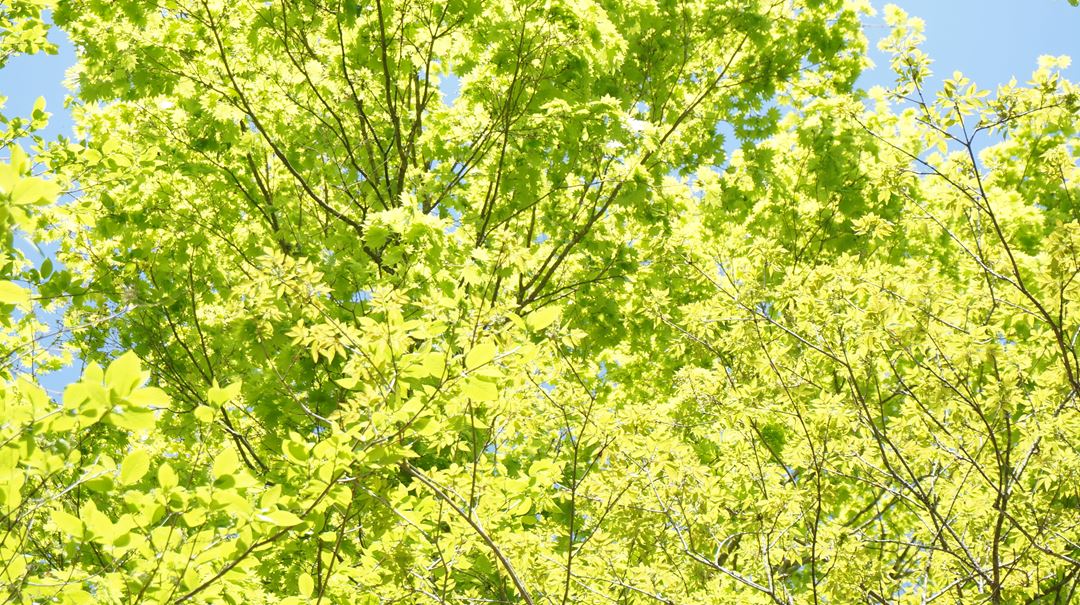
<point>502,301</point>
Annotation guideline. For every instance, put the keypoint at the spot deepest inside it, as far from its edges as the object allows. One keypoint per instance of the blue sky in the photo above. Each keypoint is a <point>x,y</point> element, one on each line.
<point>25,78</point>
<point>989,40</point>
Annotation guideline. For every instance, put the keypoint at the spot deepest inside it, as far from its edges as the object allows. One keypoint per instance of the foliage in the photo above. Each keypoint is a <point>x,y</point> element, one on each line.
<point>23,188</point>
<point>554,339</point>
<point>23,29</point>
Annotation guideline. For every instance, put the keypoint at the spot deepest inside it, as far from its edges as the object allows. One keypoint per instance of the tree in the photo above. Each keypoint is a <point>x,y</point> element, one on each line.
<point>553,339</point>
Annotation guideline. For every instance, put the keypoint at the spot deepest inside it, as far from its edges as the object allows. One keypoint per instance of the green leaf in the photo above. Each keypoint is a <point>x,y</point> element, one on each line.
<point>39,105</point>
<point>167,478</point>
<point>294,451</point>
<point>68,523</point>
<point>148,397</point>
<point>194,518</point>
<point>134,467</point>
<point>222,395</point>
<point>483,353</point>
<point>204,413</point>
<point>33,190</point>
<point>480,389</point>
<point>281,518</point>
<point>225,463</point>
<point>124,374</point>
<point>306,584</point>
<point>542,318</point>
<point>132,419</point>
<point>12,294</point>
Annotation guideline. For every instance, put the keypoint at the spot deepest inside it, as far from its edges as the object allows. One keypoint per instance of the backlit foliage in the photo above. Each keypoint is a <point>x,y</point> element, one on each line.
<point>475,301</point>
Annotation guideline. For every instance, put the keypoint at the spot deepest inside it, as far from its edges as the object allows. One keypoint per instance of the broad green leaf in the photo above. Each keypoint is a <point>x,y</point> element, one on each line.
<point>124,374</point>
<point>226,462</point>
<point>134,467</point>
<point>481,354</point>
<point>542,318</point>
<point>67,523</point>
<point>167,478</point>
<point>294,451</point>
<point>133,419</point>
<point>204,413</point>
<point>195,518</point>
<point>12,294</point>
<point>306,584</point>
<point>222,395</point>
<point>33,190</point>
<point>281,518</point>
<point>148,397</point>
<point>480,389</point>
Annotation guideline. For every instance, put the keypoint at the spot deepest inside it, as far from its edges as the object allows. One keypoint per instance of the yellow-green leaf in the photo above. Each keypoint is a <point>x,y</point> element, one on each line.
<point>167,478</point>
<point>226,462</point>
<point>221,395</point>
<point>12,294</point>
<point>124,374</point>
<point>32,190</point>
<point>68,523</point>
<point>542,318</point>
<point>306,584</point>
<point>204,413</point>
<point>135,465</point>
<point>281,518</point>
<point>480,390</point>
<point>484,352</point>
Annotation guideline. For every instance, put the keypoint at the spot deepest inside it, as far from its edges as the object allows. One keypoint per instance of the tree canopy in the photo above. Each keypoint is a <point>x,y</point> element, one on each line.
<point>504,301</point>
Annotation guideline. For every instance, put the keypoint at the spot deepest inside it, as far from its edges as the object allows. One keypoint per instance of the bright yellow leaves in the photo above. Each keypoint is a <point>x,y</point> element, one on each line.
<point>204,413</point>
<point>12,480</point>
<point>482,373</point>
<point>296,451</point>
<point>430,364</point>
<point>305,584</point>
<point>225,464</point>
